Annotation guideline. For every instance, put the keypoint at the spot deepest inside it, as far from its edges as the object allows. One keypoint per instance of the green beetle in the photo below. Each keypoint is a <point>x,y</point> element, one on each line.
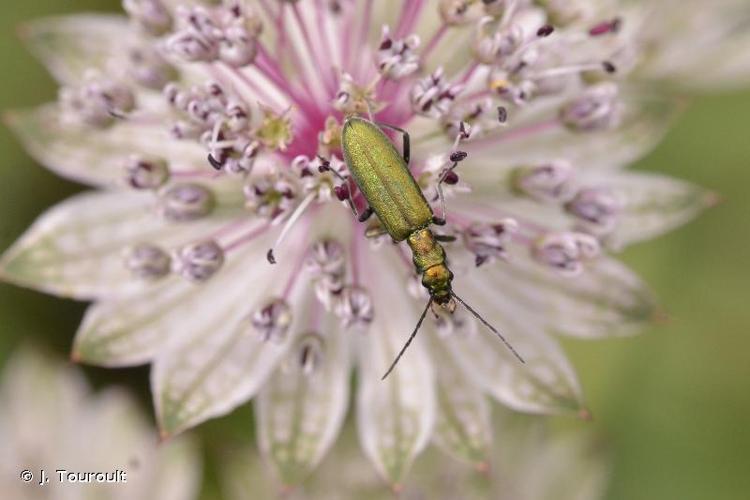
<point>383,177</point>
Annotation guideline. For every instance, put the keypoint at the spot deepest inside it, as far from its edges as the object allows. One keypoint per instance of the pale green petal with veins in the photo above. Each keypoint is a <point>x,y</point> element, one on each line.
<point>300,411</point>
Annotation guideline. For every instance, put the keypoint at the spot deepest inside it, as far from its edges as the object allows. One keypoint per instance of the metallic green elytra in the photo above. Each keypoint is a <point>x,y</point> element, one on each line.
<point>384,178</point>
<point>385,181</point>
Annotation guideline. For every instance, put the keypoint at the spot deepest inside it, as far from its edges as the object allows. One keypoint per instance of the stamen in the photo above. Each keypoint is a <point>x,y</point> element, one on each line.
<point>396,59</point>
<point>227,33</point>
<point>433,95</point>
<point>606,27</point>
<point>147,261</point>
<point>288,225</point>
<point>572,70</point>
<point>271,196</point>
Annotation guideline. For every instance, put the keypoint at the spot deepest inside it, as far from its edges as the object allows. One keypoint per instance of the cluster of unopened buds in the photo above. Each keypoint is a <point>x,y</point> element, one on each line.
<point>227,34</point>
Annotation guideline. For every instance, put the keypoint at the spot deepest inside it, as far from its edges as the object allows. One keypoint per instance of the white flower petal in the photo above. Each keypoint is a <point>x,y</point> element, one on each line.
<point>545,383</point>
<point>573,467</point>
<point>463,426</point>
<point>76,248</point>
<point>543,140</point>
<point>50,419</point>
<point>97,156</point>
<point>215,360</point>
<point>652,204</point>
<point>607,299</point>
<point>394,416</point>
<point>71,45</point>
<point>695,46</point>
<point>300,413</point>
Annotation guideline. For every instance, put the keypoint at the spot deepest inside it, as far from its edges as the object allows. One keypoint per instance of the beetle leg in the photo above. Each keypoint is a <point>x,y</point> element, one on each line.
<point>445,238</point>
<point>375,232</point>
<point>456,157</point>
<point>440,221</point>
<point>366,214</point>
<point>345,182</point>
<point>405,135</point>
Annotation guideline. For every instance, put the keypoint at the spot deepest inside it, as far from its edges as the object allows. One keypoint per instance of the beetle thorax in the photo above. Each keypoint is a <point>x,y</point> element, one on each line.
<point>429,261</point>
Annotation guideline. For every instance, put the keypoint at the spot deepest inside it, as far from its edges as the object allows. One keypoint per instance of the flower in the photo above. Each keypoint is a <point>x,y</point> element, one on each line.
<point>50,420</point>
<point>533,463</point>
<point>212,132</point>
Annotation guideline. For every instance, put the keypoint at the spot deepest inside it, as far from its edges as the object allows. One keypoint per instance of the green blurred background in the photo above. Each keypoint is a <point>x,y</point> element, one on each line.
<point>672,405</point>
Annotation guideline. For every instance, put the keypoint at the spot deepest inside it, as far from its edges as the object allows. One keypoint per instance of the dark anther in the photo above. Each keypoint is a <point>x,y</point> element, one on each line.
<point>606,27</point>
<point>479,260</point>
<point>386,44</point>
<point>214,162</point>
<point>545,30</point>
<point>450,177</point>
<point>325,165</point>
<point>502,114</point>
<point>270,256</point>
<point>342,192</point>
<point>609,67</point>
<point>457,156</point>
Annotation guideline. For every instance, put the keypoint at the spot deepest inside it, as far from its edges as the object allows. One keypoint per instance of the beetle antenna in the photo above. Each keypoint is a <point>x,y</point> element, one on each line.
<point>288,225</point>
<point>485,323</point>
<point>411,337</point>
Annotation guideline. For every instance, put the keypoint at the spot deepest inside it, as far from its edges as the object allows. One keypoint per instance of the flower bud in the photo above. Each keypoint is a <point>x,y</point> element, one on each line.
<point>489,241</point>
<point>97,102</point>
<point>150,69</point>
<point>150,15</point>
<point>396,59</point>
<point>272,321</point>
<point>325,257</point>
<point>146,173</point>
<point>311,353</point>
<point>433,96</point>
<point>148,261</point>
<point>186,202</point>
<point>566,251</point>
<point>198,262</point>
<point>597,208</point>
<point>547,183</point>
<point>598,108</point>
<point>354,307</point>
